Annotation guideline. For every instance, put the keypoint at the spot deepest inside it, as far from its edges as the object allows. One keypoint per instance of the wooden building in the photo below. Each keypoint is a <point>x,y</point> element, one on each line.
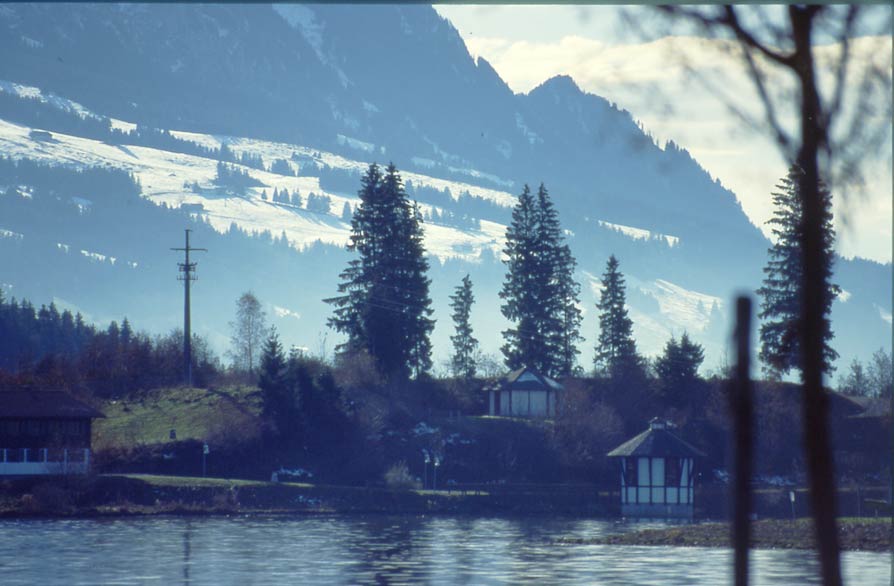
<point>657,472</point>
<point>523,393</point>
<point>44,433</point>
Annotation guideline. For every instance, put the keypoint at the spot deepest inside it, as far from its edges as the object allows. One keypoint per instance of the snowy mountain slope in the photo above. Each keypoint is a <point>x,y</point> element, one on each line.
<point>164,177</point>
<point>343,86</point>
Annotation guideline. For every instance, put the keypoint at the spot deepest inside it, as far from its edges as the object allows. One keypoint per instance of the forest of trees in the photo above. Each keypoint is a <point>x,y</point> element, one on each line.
<point>46,348</point>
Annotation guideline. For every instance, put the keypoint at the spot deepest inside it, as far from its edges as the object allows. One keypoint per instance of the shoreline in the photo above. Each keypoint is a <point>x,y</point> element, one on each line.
<point>141,496</point>
<point>854,534</point>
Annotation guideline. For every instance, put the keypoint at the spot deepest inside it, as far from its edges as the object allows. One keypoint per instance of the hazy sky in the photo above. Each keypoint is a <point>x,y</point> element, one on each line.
<point>644,74</point>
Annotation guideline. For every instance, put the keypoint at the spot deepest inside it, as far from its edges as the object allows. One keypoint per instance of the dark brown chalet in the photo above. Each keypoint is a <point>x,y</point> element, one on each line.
<point>44,432</point>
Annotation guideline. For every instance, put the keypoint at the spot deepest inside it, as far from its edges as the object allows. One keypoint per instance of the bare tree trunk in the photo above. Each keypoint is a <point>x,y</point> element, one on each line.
<point>814,400</point>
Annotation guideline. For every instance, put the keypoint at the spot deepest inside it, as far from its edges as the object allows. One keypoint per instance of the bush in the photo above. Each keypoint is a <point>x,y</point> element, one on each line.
<point>398,477</point>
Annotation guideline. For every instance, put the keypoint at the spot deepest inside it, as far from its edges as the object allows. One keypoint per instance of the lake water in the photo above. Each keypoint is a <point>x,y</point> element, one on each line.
<point>375,550</point>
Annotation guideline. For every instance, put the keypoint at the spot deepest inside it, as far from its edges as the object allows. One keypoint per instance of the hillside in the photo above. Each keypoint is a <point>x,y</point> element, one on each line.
<point>329,90</point>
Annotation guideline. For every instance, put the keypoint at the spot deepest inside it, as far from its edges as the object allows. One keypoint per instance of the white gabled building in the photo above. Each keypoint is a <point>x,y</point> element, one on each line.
<point>523,393</point>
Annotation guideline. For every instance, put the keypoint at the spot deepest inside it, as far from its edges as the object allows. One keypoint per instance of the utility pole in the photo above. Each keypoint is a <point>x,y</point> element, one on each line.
<point>188,270</point>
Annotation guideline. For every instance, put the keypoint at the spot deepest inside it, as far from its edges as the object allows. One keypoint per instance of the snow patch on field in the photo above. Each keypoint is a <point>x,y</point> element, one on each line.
<point>423,162</point>
<point>303,18</point>
<point>122,125</point>
<point>639,233</point>
<point>277,150</point>
<point>10,234</point>
<point>31,92</point>
<point>356,144</point>
<point>532,136</point>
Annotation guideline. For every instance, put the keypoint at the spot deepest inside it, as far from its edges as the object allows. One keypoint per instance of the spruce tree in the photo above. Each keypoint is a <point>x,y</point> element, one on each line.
<point>539,291</point>
<point>560,294</point>
<point>465,346</point>
<point>616,352</point>
<point>523,345</point>
<point>276,393</point>
<point>781,293</point>
<point>383,304</point>
<point>677,368</point>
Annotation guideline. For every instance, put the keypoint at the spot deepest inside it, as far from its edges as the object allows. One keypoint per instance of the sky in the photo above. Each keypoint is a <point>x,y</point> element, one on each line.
<point>679,88</point>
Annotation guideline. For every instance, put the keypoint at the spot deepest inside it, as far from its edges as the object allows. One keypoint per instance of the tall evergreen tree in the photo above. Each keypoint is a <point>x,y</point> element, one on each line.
<point>615,347</point>
<point>540,293</point>
<point>465,346</point>
<point>384,306</point>
<point>273,381</point>
<point>561,293</point>
<point>781,293</point>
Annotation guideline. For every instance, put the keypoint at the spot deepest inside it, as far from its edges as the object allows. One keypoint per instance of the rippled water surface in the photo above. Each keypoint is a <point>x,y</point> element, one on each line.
<point>375,550</point>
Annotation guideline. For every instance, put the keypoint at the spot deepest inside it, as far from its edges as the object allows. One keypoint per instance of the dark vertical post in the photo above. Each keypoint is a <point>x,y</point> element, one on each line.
<point>742,417</point>
<point>188,270</point>
<point>187,330</point>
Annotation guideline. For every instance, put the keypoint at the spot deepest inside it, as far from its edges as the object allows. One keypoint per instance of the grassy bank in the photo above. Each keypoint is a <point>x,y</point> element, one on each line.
<point>225,415</point>
<point>866,534</point>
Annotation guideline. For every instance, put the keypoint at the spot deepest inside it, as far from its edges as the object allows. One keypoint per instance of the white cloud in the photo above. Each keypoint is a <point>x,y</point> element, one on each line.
<point>283,312</point>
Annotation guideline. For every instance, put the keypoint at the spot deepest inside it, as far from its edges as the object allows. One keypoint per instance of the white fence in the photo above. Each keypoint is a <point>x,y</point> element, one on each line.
<point>38,461</point>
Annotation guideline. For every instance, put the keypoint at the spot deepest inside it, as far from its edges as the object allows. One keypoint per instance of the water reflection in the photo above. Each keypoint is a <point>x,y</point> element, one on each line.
<point>375,550</point>
<point>187,538</point>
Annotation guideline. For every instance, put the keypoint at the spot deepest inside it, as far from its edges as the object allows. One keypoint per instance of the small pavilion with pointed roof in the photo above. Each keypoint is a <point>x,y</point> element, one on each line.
<point>657,473</point>
<point>523,393</point>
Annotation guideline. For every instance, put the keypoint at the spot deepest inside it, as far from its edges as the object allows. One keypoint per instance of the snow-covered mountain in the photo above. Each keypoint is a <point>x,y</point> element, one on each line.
<point>332,88</point>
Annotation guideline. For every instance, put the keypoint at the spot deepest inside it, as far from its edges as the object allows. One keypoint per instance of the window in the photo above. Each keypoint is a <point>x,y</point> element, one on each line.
<point>672,471</point>
<point>630,478</point>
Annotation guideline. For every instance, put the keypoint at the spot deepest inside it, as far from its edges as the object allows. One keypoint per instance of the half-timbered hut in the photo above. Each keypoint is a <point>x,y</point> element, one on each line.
<point>657,473</point>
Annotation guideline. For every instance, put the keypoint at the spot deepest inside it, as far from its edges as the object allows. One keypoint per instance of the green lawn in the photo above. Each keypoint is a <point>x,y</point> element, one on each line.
<point>219,415</point>
<point>157,480</point>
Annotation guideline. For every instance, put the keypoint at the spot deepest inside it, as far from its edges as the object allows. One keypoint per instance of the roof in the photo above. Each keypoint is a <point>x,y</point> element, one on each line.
<point>524,379</point>
<point>44,404</point>
<point>871,407</point>
<point>656,441</point>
